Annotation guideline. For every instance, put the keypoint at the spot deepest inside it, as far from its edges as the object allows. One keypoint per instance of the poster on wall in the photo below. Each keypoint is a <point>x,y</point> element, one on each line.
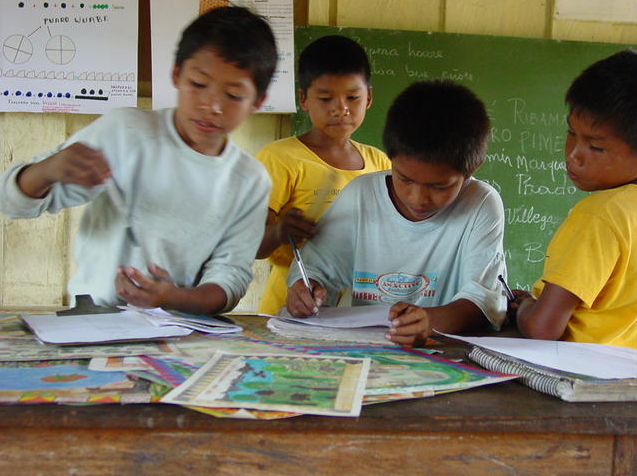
<point>67,56</point>
<point>167,23</point>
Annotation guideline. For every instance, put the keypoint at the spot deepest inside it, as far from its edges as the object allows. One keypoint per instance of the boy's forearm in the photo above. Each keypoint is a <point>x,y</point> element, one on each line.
<point>461,315</point>
<point>32,180</point>
<point>208,298</point>
<point>523,317</point>
<point>547,317</point>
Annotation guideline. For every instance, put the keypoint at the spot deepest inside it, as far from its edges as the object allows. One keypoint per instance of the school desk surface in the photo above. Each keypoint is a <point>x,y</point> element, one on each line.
<point>503,428</point>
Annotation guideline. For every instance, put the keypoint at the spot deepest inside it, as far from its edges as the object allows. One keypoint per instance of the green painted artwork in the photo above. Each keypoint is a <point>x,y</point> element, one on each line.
<point>321,385</point>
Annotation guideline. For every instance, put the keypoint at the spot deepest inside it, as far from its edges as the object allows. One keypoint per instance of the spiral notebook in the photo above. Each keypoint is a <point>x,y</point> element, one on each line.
<point>568,386</point>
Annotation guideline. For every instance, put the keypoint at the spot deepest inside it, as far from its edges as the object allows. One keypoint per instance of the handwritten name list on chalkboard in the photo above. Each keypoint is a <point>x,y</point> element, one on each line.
<point>522,83</point>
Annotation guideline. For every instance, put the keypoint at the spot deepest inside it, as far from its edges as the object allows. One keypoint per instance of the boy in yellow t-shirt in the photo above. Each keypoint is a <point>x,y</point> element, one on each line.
<point>309,170</point>
<point>587,292</point>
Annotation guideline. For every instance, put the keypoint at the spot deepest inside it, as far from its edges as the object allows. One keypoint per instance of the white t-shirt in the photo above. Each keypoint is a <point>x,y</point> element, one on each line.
<point>366,244</point>
<point>194,215</point>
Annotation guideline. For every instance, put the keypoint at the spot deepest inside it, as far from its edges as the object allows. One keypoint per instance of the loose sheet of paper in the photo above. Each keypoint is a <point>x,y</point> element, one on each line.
<point>90,328</point>
<point>207,325</point>
<point>345,317</point>
<point>596,360</point>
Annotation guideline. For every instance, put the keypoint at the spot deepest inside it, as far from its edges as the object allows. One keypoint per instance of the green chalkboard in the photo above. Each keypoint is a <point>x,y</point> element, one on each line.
<point>522,82</point>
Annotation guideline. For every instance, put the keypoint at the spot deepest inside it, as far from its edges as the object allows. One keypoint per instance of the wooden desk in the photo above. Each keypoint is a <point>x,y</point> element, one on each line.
<point>503,429</point>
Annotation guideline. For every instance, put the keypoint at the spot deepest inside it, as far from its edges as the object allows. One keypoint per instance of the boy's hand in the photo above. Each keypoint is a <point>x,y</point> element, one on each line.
<point>300,302</point>
<point>294,223</point>
<point>144,291</point>
<point>76,164</point>
<point>410,325</point>
<point>520,297</point>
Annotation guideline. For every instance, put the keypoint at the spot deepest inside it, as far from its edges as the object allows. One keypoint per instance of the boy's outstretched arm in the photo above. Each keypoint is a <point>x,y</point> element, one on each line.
<point>547,317</point>
<point>76,164</point>
<point>411,325</point>
<point>278,227</point>
<point>158,290</point>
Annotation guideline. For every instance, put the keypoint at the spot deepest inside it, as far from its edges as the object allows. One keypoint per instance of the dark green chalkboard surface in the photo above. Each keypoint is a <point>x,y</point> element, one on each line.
<point>522,82</point>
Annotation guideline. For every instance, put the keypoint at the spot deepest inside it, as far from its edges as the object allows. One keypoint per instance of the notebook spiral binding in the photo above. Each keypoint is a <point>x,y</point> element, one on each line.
<point>534,378</point>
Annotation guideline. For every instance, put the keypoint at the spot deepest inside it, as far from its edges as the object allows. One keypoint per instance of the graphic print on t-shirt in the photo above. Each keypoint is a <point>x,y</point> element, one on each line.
<point>393,286</point>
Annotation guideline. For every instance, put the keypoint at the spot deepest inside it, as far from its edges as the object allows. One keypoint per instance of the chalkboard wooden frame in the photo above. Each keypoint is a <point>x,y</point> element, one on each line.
<point>522,82</point>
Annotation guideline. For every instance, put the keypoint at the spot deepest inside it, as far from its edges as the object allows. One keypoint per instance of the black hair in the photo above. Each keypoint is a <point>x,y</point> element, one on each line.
<point>334,55</point>
<point>238,36</point>
<point>607,91</point>
<point>440,122</point>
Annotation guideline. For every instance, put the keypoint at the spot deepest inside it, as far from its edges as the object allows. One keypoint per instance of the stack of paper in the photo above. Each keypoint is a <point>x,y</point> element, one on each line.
<point>346,324</point>
<point>92,328</point>
<point>207,325</point>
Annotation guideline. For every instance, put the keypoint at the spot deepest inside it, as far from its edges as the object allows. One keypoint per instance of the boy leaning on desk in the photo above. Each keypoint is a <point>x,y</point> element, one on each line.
<point>587,292</point>
<point>425,237</point>
<point>194,203</point>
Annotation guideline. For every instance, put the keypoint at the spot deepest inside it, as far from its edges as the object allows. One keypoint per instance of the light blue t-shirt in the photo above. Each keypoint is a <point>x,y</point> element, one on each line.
<point>364,243</point>
<point>199,217</point>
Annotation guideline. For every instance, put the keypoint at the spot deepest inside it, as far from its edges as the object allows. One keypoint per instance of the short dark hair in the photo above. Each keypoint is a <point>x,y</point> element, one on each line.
<point>438,121</point>
<point>607,91</point>
<point>335,55</point>
<point>238,36</point>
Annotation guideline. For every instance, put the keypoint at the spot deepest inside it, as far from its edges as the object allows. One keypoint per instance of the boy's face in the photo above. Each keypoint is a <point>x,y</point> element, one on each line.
<point>214,97</point>
<point>421,189</point>
<point>336,104</point>
<point>596,158</point>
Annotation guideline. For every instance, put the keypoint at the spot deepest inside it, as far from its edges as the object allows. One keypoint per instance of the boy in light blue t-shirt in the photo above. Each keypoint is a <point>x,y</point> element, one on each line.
<point>195,202</point>
<point>424,238</point>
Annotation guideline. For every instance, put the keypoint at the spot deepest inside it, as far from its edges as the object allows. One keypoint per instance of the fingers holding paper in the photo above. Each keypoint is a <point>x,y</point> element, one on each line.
<point>150,290</point>
<point>410,325</point>
<point>302,303</point>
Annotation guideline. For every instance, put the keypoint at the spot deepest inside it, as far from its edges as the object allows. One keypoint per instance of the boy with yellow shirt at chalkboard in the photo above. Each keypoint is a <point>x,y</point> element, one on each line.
<point>587,292</point>
<point>309,170</point>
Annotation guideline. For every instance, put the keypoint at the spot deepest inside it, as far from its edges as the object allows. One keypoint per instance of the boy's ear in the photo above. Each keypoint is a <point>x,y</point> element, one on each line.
<point>302,99</point>
<point>259,102</point>
<point>175,75</point>
<point>369,97</point>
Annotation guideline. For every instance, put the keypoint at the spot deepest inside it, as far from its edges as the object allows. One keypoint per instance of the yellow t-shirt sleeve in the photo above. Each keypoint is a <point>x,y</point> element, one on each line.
<point>580,257</point>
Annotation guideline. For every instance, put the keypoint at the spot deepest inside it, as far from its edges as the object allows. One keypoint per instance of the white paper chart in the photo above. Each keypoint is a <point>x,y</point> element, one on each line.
<point>67,56</point>
<point>167,24</point>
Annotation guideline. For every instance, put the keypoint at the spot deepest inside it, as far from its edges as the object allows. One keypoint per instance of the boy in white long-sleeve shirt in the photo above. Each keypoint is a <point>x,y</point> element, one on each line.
<point>196,203</point>
<point>424,238</point>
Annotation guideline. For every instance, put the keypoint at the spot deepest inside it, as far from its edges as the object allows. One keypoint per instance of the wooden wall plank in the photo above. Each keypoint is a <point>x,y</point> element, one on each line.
<point>418,15</point>
<point>318,12</point>
<point>520,18</point>
<point>33,257</point>
<point>594,31</point>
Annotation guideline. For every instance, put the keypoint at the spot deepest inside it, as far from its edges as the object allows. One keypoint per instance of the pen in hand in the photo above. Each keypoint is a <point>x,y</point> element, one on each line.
<point>299,262</point>
<point>507,289</point>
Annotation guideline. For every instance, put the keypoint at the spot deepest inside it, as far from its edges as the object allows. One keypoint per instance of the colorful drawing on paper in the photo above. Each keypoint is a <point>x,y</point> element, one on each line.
<point>306,384</point>
<point>69,381</point>
<point>14,350</point>
<point>12,327</point>
<point>396,370</point>
<point>173,371</point>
